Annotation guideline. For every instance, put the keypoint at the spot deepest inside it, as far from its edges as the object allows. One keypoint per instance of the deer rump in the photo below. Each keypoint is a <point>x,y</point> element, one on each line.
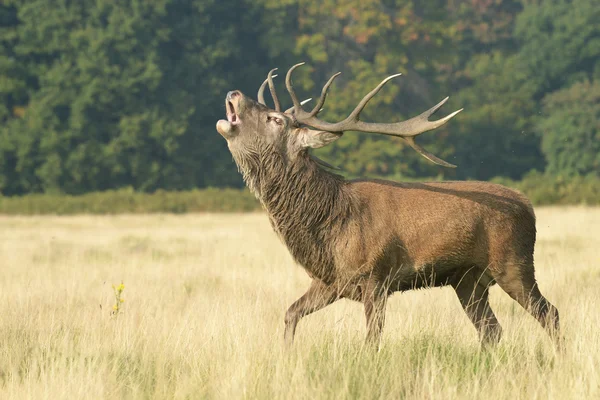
<point>365,239</point>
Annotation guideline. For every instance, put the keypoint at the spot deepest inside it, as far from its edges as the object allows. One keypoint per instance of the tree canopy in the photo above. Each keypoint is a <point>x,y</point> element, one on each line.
<point>98,95</point>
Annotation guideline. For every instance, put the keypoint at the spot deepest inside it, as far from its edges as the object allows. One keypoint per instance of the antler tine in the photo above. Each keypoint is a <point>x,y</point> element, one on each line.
<point>426,154</point>
<point>261,91</point>
<point>291,109</point>
<point>434,109</point>
<point>288,84</point>
<point>430,112</point>
<point>321,101</point>
<point>272,89</point>
<point>354,115</point>
<point>299,112</point>
<point>420,124</point>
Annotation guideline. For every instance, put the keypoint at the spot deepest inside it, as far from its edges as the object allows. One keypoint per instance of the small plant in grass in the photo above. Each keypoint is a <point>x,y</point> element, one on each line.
<point>119,300</point>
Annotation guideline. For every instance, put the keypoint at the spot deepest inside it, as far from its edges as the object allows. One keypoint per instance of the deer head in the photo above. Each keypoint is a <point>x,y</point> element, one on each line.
<point>254,131</point>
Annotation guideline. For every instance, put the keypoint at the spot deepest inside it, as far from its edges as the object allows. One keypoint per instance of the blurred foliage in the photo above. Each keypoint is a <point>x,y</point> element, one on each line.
<point>571,130</point>
<point>542,189</point>
<point>101,95</point>
<point>119,93</point>
<point>128,201</point>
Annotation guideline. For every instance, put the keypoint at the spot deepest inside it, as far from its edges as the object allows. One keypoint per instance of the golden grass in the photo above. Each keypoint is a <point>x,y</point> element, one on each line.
<point>205,297</point>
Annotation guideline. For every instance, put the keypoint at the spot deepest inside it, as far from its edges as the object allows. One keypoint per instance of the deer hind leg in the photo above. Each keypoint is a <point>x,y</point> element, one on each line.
<point>518,281</point>
<point>472,290</point>
<point>318,296</point>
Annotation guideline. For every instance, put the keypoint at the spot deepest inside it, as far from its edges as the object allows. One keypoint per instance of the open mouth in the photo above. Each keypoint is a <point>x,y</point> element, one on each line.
<point>232,116</point>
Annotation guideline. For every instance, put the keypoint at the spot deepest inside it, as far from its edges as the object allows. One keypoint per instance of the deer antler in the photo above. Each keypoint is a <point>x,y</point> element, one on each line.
<point>261,91</point>
<point>406,130</point>
<point>261,94</point>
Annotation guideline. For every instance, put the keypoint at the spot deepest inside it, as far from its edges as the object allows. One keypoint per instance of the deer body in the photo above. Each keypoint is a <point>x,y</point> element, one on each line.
<point>365,239</point>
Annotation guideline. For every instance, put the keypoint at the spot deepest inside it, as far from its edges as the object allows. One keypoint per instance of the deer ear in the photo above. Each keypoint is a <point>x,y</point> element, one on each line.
<point>315,139</point>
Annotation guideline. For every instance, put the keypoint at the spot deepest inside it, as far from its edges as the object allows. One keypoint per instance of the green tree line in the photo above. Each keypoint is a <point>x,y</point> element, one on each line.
<point>99,95</point>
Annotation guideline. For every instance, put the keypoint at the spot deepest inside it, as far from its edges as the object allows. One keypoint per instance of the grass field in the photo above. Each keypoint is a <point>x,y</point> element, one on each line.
<point>202,317</point>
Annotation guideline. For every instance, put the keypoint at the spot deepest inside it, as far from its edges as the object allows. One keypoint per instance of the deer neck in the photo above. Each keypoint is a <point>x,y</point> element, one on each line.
<point>307,206</point>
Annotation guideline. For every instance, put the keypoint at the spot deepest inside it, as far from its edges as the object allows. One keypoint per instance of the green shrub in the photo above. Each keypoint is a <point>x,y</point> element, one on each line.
<point>545,189</point>
<point>128,201</point>
<point>541,189</point>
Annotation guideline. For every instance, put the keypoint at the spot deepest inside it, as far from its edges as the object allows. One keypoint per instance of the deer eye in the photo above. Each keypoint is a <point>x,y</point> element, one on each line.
<point>278,121</point>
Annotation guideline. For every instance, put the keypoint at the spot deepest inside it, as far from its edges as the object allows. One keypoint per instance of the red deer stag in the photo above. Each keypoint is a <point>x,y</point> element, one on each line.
<point>365,239</point>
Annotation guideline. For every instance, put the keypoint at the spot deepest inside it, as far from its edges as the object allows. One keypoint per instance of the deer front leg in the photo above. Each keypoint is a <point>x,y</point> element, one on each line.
<point>374,299</point>
<point>317,297</point>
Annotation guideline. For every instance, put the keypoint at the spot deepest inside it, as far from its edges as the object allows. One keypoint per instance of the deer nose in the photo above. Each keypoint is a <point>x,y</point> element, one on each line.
<point>233,94</point>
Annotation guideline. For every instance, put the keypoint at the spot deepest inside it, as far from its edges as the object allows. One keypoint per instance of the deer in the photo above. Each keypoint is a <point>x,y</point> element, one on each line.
<point>365,239</point>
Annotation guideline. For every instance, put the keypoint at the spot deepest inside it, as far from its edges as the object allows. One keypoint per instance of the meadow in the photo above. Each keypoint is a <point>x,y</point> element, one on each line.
<point>202,318</point>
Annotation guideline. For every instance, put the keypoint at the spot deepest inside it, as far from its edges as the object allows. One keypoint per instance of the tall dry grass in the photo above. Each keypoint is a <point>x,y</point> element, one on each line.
<point>205,297</point>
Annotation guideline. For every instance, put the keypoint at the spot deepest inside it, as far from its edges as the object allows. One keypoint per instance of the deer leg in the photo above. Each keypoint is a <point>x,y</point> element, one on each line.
<point>374,299</point>
<point>317,297</point>
<point>519,282</point>
<point>473,296</point>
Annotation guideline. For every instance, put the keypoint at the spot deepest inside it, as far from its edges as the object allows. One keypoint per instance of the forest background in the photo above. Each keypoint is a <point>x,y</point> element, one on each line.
<point>118,100</point>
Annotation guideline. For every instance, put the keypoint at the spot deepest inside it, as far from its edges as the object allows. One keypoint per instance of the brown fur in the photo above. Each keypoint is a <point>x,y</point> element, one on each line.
<point>365,239</point>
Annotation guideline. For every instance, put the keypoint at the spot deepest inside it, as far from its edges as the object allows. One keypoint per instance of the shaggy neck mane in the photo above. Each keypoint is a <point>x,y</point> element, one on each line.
<point>307,206</point>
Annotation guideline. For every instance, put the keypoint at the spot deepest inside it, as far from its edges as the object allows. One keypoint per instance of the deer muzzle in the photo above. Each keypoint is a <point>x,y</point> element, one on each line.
<point>232,104</point>
<point>232,107</point>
